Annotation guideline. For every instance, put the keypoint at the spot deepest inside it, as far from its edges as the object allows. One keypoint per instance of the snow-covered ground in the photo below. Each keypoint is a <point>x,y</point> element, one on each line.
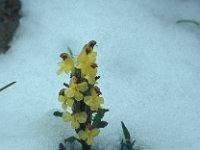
<point>149,68</point>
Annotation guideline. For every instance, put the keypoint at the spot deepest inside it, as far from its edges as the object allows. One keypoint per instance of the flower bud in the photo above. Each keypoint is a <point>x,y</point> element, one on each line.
<point>94,65</point>
<point>62,92</point>
<point>92,43</point>
<point>64,56</point>
<point>97,90</point>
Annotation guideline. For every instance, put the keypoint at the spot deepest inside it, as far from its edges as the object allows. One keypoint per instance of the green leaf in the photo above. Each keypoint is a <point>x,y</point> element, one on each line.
<point>99,115</point>
<point>132,144</point>
<point>125,131</point>
<point>62,147</point>
<point>70,51</point>
<point>188,21</point>
<point>102,124</point>
<point>65,84</point>
<point>58,114</point>
<point>129,145</point>
<point>71,139</point>
<point>122,145</point>
<point>6,86</point>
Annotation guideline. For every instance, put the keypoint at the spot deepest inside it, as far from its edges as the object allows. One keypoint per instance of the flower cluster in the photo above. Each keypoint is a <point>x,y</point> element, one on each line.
<point>81,99</point>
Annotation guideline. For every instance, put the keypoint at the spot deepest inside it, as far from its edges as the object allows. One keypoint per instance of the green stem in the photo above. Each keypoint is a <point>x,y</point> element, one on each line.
<point>81,106</point>
<point>85,146</point>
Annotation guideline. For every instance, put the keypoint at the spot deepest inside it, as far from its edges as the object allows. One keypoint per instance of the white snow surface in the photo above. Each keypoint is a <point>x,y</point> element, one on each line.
<point>149,68</point>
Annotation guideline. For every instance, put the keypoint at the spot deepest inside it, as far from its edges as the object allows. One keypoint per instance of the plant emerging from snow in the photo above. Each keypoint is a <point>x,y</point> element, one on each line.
<point>128,144</point>
<point>81,99</point>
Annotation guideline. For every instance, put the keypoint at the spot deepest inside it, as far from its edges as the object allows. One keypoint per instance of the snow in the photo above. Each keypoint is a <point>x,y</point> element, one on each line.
<point>149,68</point>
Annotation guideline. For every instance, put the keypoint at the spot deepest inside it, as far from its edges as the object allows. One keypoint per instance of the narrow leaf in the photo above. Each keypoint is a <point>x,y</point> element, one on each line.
<point>99,115</point>
<point>1,89</point>
<point>122,146</point>
<point>65,84</point>
<point>125,131</point>
<point>188,21</point>
<point>70,51</point>
<point>62,147</point>
<point>58,114</point>
<point>71,139</point>
<point>102,124</point>
<point>132,144</point>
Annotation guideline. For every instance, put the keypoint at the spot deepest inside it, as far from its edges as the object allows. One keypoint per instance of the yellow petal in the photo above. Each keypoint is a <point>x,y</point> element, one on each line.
<point>60,63</point>
<point>92,57</point>
<point>75,125</point>
<point>82,135</point>
<point>65,66</point>
<point>61,98</point>
<point>64,106</point>
<point>89,141</point>
<point>58,72</point>
<point>78,96</point>
<point>66,116</point>
<point>70,102</point>
<point>83,86</point>
<point>87,99</point>
<point>82,117</point>
<point>69,92</point>
<point>95,132</point>
<point>101,100</point>
<point>91,79</point>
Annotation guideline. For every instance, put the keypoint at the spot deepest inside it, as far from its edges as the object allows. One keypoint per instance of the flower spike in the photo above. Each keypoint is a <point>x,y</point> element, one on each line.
<point>81,95</point>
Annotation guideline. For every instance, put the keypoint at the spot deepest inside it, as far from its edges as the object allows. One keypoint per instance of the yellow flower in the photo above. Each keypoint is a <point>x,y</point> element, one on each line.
<point>75,119</point>
<point>90,73</point>
<point>91,79</point>
<point>86,58</point>
<point>87,55</point>
<point>86,62</point>
<point>75,89</point>
<point>66,101</point>
<point>90,69</point>
<point>94,101</point>
<point>66,65</point>
<point>88,135</point>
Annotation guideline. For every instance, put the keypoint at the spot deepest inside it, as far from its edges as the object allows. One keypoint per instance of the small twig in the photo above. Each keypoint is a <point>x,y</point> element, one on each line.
<point>1,89</point>
<point>188,21</point>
